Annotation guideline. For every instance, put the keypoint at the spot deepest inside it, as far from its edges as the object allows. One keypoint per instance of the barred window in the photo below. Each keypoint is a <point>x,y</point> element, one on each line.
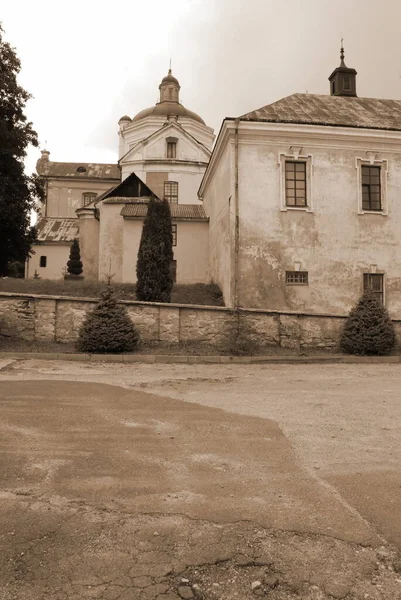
<point>171,191</point>
<point>295,183</point>
<point>296,277</point>
<point>375,283</point>
<point>87,198</point>
<point>371,188</point>
<point>174,231</point>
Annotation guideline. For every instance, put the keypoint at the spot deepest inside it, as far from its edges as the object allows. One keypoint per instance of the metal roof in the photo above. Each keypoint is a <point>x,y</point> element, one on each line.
<point>313,109</point>
<point>48,168</point>
<point>179,212</point>
<point>126,200</point>
<point>63,231</point>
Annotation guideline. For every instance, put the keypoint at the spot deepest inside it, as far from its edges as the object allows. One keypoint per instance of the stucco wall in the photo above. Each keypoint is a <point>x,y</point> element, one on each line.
<point>334,243</point>
<point>191,252</point>
<point>89,246</point>
<point>64,196</point>
<point>219,206</point>
<point>59,318</point>
<point>57,256</point>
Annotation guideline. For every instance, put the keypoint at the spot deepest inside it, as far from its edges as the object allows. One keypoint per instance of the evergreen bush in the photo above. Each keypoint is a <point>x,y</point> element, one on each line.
<point>153,268</point>
<point>108,328</point>
<point>368,329</point>
<point>74,265</point>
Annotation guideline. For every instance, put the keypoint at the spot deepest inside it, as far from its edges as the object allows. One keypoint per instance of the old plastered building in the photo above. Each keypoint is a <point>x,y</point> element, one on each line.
<point>163,151</point>
<point>304,202</point>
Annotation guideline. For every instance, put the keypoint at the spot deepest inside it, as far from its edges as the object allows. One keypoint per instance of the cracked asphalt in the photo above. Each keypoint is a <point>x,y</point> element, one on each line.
<point>149,482</point>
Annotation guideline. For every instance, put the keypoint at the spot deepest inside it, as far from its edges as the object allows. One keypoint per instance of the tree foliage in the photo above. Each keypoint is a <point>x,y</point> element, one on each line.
<point>153,268</point>
<point>74,265</point>
<point>108,328</point>
<point>18,192</point>
<point>368,329</point>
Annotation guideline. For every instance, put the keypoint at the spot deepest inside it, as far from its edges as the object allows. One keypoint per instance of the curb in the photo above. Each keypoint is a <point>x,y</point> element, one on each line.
<point>212,359</point>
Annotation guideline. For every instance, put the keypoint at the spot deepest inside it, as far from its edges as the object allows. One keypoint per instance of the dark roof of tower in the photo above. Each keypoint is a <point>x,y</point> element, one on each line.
<point>168,108</point>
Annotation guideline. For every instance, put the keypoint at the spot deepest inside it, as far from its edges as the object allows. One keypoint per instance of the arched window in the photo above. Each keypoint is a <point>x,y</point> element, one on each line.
<point>88,197</point>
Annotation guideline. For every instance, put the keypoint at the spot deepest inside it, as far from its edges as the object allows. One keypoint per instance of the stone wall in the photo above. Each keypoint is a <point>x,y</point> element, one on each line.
<point>51,318</point>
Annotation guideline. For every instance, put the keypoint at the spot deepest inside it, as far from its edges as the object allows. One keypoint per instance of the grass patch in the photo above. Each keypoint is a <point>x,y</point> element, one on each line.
<point>197,293</point>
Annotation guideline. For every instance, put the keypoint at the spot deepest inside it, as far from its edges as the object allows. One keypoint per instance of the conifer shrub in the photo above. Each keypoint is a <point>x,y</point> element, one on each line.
<point>153,268</point>
<point>108,328</point>
<point>368,328</point>
<point>74,265</point>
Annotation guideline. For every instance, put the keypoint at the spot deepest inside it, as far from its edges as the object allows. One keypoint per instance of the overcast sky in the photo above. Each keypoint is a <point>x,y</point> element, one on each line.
<point>87,63</point>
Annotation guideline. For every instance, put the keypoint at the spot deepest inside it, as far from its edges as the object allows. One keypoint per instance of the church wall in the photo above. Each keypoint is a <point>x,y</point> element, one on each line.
<point>89,246</point>
<point>218,203</point>
<point>57,256</point>
<point>111,242</point>
<point>191,252</point>
<point>64,196</point>
<point>332,242</point>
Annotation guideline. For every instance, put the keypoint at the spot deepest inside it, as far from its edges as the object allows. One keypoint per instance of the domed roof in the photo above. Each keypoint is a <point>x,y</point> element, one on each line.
<point>169,102</point>
<point>163,109</point>
<point>169,79</point>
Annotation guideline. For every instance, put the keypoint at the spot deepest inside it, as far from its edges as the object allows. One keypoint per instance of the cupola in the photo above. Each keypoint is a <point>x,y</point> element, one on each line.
<point>169,88</point>
<point>343,80</point>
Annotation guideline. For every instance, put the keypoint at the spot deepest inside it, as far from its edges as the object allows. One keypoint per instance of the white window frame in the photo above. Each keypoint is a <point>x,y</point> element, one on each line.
<point>371,160</point>
<point>294,154</point>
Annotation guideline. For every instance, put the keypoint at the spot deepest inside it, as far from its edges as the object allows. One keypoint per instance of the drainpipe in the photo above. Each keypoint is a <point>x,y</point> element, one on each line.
<point>236,226</point>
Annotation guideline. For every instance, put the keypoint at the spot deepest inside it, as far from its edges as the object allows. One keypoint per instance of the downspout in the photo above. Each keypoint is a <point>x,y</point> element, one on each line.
<point>236,224</point>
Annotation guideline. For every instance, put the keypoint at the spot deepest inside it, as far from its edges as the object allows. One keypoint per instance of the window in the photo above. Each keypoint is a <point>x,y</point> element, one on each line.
<point>174,231</point>
<point>171,149</point>
<point>347,84</point>
<point>171,191</point>
<point>81,170</point>
<point>87,198</point>
<point>173,270</point>
<point>296,277</point>
<point>43,261</point>
<point>371,188</point>
<point>295,183</point>
<point>374,282</point>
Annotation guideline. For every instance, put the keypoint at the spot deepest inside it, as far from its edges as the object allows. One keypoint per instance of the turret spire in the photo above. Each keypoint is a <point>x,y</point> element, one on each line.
<point>343,80</point>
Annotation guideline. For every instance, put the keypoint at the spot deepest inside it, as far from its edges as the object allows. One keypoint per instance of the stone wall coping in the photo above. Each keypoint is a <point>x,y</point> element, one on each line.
<point>264,311</point>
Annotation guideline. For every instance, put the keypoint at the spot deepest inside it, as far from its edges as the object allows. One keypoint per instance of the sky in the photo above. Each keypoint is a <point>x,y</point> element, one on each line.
<point>87,63</point>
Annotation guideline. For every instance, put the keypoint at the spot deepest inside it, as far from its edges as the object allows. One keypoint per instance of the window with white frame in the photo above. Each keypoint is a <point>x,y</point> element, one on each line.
<point>372,185</point>
<point>296,180</point>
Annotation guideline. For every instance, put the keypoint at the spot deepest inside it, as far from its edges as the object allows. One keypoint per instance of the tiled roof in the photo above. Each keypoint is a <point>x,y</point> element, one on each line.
<point>57,230</point>
<point>48,168</point>
<point>312,109</point>
<point>179,212</point>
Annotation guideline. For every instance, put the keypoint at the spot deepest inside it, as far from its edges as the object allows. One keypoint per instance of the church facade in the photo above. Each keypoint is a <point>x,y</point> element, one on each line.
<point>297,208</point>
<point>163,151</point>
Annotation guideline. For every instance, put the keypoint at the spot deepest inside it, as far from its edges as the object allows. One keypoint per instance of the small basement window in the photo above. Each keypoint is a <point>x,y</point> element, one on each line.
<point>296,277</point>
<point>43,261</point>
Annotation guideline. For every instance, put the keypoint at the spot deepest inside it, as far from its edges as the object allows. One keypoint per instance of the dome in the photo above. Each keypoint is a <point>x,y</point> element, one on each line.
<point>169,79</point>
<point>163,109</point>
<point>169,103</point>
<point>125,118</point>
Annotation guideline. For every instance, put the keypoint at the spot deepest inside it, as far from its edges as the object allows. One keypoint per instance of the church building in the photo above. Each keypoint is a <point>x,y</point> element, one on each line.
<point>163,151</point>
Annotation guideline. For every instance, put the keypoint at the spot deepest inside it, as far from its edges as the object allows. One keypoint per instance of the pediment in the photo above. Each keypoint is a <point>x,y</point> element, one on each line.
<point>153,147</point>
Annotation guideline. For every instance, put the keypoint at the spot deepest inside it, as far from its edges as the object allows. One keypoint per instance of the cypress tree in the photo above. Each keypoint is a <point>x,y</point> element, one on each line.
<point>74,265</point>
<point>368,328</point>
<point>108,328</point>
<point>153,268</point>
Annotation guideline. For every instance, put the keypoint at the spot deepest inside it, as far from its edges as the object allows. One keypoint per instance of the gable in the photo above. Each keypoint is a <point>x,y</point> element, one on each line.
<point>154,146</point>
